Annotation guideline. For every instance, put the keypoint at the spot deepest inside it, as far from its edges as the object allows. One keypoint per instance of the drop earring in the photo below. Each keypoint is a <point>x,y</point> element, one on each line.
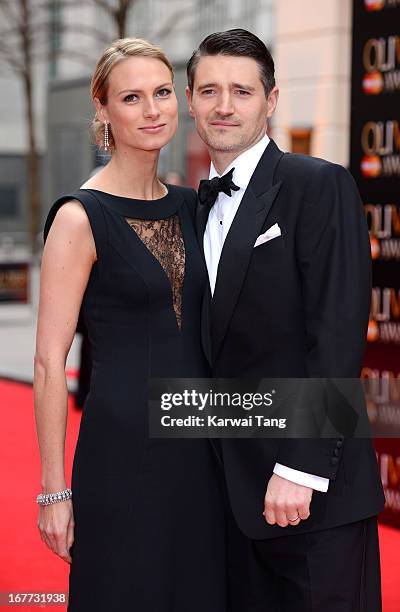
<point>106,142</point>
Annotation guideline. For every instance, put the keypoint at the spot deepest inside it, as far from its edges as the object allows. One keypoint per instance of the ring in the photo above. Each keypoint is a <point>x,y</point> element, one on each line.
<point>293,520</point>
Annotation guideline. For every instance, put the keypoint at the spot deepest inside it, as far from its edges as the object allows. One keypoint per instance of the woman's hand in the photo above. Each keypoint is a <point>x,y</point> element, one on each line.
<point>56,526</point>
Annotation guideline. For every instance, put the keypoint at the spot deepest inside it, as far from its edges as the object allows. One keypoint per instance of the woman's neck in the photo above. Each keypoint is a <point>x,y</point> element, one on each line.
<point>130,173</point>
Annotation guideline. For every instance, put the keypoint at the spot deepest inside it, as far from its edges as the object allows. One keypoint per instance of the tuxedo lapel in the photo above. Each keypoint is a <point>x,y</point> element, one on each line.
<point>201,222</point>
<point>235,258</point>
<point>202,212</point>
<point>206,324</point>
<point>238,247</point>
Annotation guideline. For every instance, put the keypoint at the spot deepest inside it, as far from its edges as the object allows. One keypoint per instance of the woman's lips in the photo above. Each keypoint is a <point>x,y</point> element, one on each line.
<point>153,129</point>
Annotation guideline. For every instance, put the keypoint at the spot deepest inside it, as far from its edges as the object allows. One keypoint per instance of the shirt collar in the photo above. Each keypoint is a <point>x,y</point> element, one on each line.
<point>244,164</point>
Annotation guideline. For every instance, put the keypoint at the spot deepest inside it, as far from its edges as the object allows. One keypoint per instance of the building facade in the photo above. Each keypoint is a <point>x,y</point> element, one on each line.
<point>310,42</point>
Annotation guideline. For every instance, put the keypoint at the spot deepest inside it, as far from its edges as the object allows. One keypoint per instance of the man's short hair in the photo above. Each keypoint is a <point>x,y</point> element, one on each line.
<point>236,43</point>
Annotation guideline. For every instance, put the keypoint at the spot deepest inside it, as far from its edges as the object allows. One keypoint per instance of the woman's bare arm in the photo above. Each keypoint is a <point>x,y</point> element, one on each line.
<point>68,256</point>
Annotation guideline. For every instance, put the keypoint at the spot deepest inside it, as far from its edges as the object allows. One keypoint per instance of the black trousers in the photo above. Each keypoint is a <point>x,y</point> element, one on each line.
<point>335,570</point>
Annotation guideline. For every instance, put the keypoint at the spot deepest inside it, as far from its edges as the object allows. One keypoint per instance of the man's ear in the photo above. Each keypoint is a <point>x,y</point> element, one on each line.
<point>272,101</point>
<point>189,101</point>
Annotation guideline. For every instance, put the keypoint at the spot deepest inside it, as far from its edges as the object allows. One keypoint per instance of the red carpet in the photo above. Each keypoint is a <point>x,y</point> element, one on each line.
<point>26,565</point>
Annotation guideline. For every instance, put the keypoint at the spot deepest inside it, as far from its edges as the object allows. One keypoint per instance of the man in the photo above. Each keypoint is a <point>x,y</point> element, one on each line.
<point>287,251</point>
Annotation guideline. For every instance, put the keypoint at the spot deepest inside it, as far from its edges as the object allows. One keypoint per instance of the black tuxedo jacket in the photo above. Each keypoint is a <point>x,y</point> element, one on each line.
<point>295,306</point>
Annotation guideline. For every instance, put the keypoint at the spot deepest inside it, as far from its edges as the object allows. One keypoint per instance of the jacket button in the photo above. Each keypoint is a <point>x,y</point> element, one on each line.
<point>339,443</point>
<point>334,461</point>
<point>336,452</point>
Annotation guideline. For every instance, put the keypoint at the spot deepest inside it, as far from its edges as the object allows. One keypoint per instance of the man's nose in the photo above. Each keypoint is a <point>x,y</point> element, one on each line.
<point>224,105</point>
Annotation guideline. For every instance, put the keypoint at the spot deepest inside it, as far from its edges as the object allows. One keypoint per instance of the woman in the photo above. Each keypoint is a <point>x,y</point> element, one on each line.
<point>144,527</point>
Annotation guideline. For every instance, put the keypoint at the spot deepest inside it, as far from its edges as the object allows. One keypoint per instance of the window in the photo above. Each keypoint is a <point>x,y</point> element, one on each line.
<point>8,201</point>
<point>301,140</point>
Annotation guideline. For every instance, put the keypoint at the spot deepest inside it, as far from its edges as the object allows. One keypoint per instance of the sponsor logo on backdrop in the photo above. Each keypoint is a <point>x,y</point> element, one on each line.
<point>374,5</point>
<point>390,474</point>
<point>382,394</point>
<point>375,160</point>
<point>381,59</point>
<point>380,142</point>
<point>384,230</point>
<point>371,166</point>
<point>373,83</point>
<point>384,323</point>
<point>379,5</point>
<point>382,386</point>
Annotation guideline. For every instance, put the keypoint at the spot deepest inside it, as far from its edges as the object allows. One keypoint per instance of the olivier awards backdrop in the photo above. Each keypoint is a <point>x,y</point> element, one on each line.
<point>375,165</point>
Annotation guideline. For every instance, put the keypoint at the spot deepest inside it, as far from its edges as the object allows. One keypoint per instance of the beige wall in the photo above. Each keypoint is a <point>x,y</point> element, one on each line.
<point>312,55</point>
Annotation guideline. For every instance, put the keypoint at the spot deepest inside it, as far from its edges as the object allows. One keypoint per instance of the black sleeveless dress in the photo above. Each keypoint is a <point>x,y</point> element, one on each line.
<point>149,524</point>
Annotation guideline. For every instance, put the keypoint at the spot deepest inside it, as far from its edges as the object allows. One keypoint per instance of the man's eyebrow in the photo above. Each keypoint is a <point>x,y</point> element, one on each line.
<point>141,91</point>
<point>242,86</point>
<point>235,85</point>
<point>206,85</point>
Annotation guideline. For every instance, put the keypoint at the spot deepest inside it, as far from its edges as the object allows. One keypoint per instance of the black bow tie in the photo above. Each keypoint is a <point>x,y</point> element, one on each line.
<point>209,189</point>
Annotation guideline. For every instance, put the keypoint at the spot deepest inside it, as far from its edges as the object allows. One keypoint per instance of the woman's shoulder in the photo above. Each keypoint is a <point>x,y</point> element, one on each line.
<point>75,210</point>
<point>70,214</point>
<point>71,211</point>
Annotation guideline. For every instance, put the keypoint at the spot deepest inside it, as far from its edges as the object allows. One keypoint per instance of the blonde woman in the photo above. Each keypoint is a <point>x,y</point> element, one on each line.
<point>143,529</point>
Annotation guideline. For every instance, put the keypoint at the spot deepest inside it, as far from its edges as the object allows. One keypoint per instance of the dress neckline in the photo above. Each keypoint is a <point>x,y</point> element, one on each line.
<point>160,208</point>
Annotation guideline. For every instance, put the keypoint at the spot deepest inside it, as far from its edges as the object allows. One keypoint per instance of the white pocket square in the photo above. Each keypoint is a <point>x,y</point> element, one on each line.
<point>273,232</point>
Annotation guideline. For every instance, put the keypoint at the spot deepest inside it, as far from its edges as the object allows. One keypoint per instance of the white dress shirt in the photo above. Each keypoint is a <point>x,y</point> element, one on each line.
<point>218,225</point>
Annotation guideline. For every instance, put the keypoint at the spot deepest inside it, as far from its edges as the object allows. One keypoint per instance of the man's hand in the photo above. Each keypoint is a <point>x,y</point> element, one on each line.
<point>286,500</point>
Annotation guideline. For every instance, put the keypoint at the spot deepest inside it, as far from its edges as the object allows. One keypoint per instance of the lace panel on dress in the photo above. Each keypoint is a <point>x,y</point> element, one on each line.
<point>163,238</point>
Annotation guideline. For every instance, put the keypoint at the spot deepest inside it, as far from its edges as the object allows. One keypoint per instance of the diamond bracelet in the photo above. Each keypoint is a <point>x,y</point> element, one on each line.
<point>45,499</point>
